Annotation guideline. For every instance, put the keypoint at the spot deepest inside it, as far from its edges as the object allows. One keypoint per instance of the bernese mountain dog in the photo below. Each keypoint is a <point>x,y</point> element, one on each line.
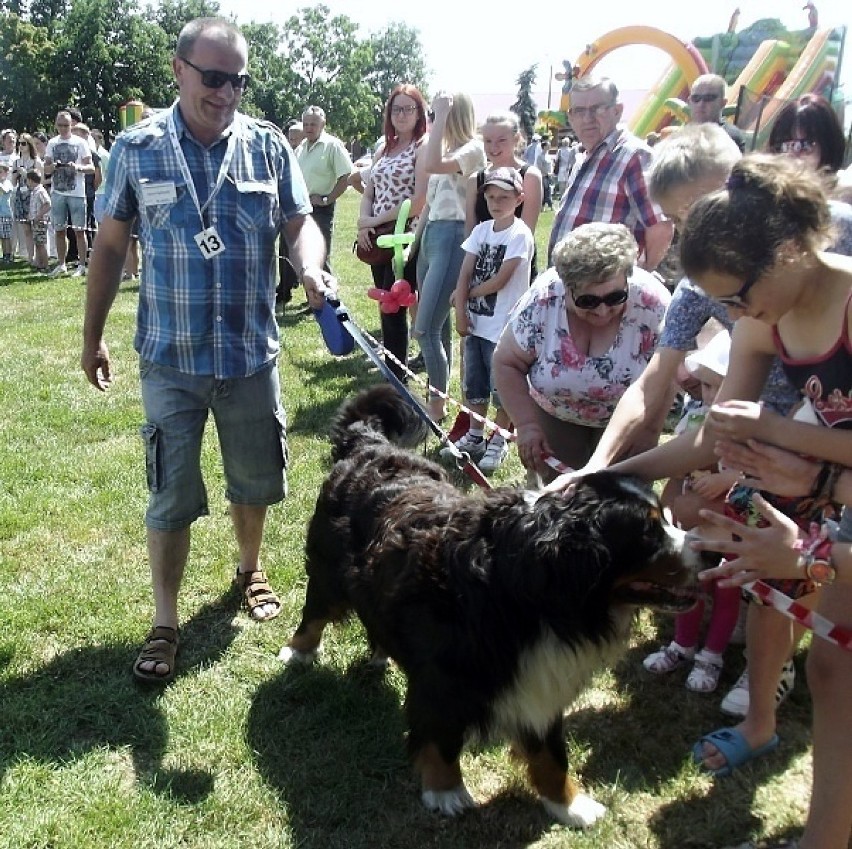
<point>498,605</point>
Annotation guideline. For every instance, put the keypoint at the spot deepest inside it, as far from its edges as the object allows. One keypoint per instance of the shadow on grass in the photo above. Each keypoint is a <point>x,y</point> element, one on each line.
<point>87,699</point>
<point>674,719</point>
<point>332,747</point>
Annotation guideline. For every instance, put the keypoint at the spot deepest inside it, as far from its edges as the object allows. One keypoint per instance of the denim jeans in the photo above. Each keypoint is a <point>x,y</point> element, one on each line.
<point>438,269</point>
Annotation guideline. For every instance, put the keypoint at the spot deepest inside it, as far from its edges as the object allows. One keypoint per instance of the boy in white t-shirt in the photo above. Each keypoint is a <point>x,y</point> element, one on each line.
<point>494,274</point>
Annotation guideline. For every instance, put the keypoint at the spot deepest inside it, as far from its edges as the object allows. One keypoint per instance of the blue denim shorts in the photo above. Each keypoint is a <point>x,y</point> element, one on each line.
<point>478,385</point>
<point>61,206</point>
<point>252,430</point>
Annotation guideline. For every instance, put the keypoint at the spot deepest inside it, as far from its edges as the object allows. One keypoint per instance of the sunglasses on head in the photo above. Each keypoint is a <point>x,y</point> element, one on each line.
<point>704,98</point>
<point>216,79</point>
<point>592,302</point>
<point>794,146</point>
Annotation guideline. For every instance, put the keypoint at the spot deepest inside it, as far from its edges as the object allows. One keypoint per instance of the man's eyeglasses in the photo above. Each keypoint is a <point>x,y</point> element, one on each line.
<point>592,302</point>
<point>704,98</point>
<point>216,79</point>
<point>591,111</point>
<point>738,300</point>
<point>794,146</point>
<point>403,110</point>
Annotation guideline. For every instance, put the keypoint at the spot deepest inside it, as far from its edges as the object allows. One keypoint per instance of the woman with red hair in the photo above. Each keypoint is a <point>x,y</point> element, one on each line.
<point>396,174</point>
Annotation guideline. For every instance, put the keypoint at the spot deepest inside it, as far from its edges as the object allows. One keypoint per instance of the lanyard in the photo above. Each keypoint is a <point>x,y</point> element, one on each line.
<point>184,167</point>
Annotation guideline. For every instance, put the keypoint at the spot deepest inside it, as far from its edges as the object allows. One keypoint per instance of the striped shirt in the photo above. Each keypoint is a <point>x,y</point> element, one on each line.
<point>608,185</point>
<point>206,316</point>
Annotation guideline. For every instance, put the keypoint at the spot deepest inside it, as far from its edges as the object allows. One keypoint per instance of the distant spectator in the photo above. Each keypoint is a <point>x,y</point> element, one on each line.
<point>809,130</point>
<point>545,164</point>
<point>295,133</point>
<point>706,102</point>
<point>566,156</point>
<point>608,183</point>
<point>533,149</point>
<point>68,159</point>
<point>39,213</point>
<point>6,190</point>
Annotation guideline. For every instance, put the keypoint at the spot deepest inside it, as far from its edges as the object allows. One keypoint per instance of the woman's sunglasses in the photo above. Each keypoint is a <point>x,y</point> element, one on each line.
<point>592,302</point>
<point>794,146</point>
<point>216,79</point>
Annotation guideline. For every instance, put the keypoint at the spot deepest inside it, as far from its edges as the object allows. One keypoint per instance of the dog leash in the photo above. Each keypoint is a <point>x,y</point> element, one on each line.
<point>508,435</point>
<point>462,458</point>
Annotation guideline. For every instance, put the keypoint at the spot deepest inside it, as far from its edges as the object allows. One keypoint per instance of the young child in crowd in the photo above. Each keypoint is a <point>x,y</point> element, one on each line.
<point>702,489</point>
<point>6,190</point>
<point>39,213</point>
<point>494,274</point>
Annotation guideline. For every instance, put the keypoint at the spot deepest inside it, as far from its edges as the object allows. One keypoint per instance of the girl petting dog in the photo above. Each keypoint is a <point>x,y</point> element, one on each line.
<point>757,246</point>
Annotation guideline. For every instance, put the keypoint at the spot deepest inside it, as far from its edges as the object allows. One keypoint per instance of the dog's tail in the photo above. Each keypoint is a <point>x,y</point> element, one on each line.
<point>377,414</point>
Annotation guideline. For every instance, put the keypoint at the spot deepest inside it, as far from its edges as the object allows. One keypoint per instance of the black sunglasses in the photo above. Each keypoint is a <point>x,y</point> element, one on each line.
<point>738,300</point>
<point>592,302</point>
<point>216,79</point>
<point>704,98</point>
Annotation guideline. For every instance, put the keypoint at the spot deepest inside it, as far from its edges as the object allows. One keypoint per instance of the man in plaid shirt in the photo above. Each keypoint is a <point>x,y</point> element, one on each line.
<point>607,182</point>
<point>212,190</point>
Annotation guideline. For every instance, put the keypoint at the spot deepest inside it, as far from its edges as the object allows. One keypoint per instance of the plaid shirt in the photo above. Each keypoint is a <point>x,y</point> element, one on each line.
<point>207,316</point>
<point>608,185</point>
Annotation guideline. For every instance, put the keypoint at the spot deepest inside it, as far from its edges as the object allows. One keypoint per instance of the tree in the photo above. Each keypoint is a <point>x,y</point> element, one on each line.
<point>29,86</point>
<point>397,58</point>
<point>172,15</point>
<point>524,107</point>
<point>108,54</point>
<point>330,66</point>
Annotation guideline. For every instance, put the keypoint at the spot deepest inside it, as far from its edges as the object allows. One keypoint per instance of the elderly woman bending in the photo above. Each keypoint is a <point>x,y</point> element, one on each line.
<point>575,341</point>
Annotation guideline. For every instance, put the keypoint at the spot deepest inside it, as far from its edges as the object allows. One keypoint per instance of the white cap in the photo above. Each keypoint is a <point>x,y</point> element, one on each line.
<point>712,357</point>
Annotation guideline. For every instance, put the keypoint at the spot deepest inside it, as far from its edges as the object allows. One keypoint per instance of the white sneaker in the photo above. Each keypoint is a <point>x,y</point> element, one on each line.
<point>667,659</point>
<point>496,452</point>
<point>59,271</point>
<point>473,446</point>
<point>737,701</point>
<point>80,272</point>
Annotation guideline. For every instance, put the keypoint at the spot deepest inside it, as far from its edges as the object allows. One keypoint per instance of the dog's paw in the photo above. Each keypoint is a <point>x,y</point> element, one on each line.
<point>583,812</point>
<point>448,802</point>
<point>294,657</point>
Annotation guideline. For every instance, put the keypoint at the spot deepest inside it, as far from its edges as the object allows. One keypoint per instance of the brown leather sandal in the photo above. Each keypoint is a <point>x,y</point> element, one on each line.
<point>160,647</point>
<point>257,591</point>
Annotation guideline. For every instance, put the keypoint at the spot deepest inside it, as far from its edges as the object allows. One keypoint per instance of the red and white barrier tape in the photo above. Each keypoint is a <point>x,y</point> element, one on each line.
<point>822,627</point>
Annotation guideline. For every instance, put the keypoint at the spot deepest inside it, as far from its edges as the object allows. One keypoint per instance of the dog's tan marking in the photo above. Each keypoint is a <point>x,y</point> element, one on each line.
<point>435,772</point>
<point>309,636</point>
<point>548,777</point>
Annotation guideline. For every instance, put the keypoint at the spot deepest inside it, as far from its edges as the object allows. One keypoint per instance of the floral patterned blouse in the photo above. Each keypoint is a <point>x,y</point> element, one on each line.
<point>568,384</point>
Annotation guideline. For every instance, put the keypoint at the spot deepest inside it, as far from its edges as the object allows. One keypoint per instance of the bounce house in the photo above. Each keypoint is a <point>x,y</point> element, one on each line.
<point>764,65</point>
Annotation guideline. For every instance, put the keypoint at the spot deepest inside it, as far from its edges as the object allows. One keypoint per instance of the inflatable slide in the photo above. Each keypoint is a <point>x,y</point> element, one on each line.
<point>772,64</point>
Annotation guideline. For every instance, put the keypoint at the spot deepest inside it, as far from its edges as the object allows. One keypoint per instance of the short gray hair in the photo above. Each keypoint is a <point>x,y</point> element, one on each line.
<point>713,80</point>
<point>594,253</point>
<point>314,110</point>
<point>588,83</point>
<point>693,152</point>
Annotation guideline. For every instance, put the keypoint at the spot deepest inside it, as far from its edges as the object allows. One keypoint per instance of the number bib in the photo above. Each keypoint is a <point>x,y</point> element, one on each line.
<point>209,243</point>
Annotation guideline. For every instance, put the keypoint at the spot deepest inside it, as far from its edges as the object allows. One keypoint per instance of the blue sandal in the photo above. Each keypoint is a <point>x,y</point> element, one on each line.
<point>735,748</point>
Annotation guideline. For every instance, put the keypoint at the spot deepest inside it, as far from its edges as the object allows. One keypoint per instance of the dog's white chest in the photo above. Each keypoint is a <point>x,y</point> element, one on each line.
<point>550,676</point>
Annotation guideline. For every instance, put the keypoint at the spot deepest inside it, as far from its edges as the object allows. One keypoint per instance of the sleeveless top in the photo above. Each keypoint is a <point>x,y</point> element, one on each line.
<point>393,179</point>
<point>824,381</point>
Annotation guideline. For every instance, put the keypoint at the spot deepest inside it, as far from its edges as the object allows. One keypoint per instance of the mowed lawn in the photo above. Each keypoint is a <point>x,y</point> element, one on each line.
<point>239,751</point>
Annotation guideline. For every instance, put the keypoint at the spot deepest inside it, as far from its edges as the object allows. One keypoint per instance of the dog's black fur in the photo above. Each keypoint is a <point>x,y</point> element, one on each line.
<point>498,606</point>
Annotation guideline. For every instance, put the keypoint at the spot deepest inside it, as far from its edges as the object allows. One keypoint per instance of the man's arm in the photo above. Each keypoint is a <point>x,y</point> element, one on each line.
<point>640,414</point>
<point>102,281</point>
<point>658,237</point>
<point>306,249</point>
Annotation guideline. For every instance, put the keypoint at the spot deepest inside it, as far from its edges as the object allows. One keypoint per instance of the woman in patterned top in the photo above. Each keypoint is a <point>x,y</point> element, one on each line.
<point>396,174</point>
<point>575,341</point>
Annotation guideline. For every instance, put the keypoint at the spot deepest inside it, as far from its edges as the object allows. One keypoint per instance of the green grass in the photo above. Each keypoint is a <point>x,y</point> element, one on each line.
<point>240,751</point>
